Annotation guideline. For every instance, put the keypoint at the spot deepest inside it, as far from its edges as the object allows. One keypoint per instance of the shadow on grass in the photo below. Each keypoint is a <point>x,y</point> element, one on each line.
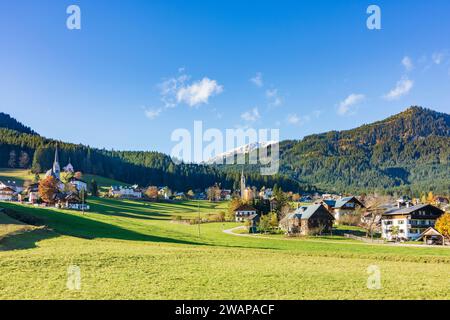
<point>26,240</point>
<point>77,225</point>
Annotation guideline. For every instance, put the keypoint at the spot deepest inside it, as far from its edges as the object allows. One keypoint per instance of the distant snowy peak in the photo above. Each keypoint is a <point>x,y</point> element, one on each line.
<point>240,150</point>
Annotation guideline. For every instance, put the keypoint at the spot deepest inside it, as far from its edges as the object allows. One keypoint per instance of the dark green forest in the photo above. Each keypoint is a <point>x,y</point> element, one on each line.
<point>407,153</point>
<point>20,147</point>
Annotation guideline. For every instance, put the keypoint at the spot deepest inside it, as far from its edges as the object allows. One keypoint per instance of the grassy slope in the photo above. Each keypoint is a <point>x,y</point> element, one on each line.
<point>128,249</point>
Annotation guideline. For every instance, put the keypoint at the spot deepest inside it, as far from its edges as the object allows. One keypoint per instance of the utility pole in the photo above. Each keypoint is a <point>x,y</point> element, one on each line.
<point>199,221</point>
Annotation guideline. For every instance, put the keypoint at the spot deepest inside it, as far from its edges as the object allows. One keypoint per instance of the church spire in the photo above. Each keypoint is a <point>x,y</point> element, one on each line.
<point>242,184</point>
<point>56,167</point>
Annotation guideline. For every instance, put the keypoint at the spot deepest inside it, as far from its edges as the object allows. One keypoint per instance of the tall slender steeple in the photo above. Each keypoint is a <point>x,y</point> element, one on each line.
<point>242,184</point>
<point>56,167</point>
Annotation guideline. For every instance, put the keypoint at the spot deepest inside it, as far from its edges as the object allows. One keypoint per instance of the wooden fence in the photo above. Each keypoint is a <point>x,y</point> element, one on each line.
<point>368,240</point>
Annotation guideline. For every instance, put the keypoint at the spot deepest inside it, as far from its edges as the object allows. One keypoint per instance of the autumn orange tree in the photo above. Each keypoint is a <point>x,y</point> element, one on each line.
<point>152,192</point>
<point>443,225</point>
<point>48,187</point>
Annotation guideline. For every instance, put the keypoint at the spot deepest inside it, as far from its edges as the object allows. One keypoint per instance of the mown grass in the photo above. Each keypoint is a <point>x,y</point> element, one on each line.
<point>129,249</point>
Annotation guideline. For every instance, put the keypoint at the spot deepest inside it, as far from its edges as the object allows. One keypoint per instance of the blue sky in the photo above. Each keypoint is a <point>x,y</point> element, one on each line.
<point>137,70</point>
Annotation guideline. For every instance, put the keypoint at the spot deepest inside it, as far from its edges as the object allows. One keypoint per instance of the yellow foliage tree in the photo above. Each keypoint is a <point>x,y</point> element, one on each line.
<point>443,225</point>
<point>430,198</point>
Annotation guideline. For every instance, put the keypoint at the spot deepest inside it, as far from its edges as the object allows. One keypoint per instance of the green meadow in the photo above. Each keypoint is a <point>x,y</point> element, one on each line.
<point>133,250</point>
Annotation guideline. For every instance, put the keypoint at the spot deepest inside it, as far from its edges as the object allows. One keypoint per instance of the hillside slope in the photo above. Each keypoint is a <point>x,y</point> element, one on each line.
<point>410,149</point>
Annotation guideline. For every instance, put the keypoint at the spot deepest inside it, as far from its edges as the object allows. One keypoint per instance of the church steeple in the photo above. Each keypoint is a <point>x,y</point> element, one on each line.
<point>242,184</point>
<point>56,166</point>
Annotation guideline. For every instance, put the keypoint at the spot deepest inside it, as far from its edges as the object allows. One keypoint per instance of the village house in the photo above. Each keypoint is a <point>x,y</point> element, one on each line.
<point>7,193</point>
<point>225,194</point>
<point>78,184</point>
<point>308,220</point>
<point>253,223</point>
<point>31,193</point>
<point>125,192</point>
<point>408,223</point>
<point>346,205</point>
<point>244,212</point>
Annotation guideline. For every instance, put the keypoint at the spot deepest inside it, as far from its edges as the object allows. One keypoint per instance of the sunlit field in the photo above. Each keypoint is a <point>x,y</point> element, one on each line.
<point>132,250</point>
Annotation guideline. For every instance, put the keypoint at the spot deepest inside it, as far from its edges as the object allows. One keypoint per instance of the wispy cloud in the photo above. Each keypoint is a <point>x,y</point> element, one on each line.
<point>180,89</point>
<point>402,88</point>
<point>199,92</point>
<point>274,98</point>
<point>407,63</point>
<point>152,113</point>
<point>295,119</point>
<point>438,57</point>
<point>347,106</point>
<point>251,115</point>
<point>257,80</point>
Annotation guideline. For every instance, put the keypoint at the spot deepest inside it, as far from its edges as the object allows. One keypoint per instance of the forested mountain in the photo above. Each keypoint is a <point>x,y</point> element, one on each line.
<point>29,150</point>
<point>6,121</point>
<point>408,153</point>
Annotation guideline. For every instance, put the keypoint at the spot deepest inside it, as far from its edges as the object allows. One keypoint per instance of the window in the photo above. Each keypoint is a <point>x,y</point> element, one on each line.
<point>401,221</point>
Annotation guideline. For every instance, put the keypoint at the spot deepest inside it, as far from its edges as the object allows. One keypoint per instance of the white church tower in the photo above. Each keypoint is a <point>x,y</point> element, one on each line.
<point>243,187</point>
<point>56,166</point>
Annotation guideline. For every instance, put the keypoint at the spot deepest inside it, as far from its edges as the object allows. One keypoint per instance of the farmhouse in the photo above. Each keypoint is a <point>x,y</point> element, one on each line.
<point>346,205</point>
<point>408,223</point>
<point>244,212</point>
<point>308,220</point>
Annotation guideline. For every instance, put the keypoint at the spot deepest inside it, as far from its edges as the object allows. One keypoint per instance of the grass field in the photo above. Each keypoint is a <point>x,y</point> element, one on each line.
<point>129,249</point>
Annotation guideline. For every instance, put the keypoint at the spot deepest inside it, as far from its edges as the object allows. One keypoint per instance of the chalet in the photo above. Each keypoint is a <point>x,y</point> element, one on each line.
<point>346,205</point>
<point>72,201</point>
<point>308,220</point>
<point>7,193</point>
<point>408,223</point>
<point>32,193</point>
<point>244,212</point>
<point>78,183</point>
<point>11,184</point>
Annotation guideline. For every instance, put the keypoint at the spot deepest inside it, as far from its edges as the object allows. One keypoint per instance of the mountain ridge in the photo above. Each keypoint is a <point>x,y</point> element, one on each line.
<point>406,152</point>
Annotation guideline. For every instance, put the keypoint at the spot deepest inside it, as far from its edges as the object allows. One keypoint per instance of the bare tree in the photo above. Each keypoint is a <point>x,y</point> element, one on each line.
<point>375,207</point>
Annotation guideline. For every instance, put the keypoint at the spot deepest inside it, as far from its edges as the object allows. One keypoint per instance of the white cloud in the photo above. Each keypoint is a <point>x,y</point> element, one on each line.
<point>169,89</point>
<point>345,107</point>
<point>402,88</point>
<point>274,98</point>
<point>199,92</point>
<point>178,90</point>
<point>152,113</point>
<point>293,119</point>
<point>438,57</point>
<point>407,63</point>
<point>251,116</point>
<point>257,80</point>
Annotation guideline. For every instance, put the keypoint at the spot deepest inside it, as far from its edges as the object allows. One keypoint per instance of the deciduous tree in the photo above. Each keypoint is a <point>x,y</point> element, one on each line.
<point>443,225</point>
<point>48,188</point>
